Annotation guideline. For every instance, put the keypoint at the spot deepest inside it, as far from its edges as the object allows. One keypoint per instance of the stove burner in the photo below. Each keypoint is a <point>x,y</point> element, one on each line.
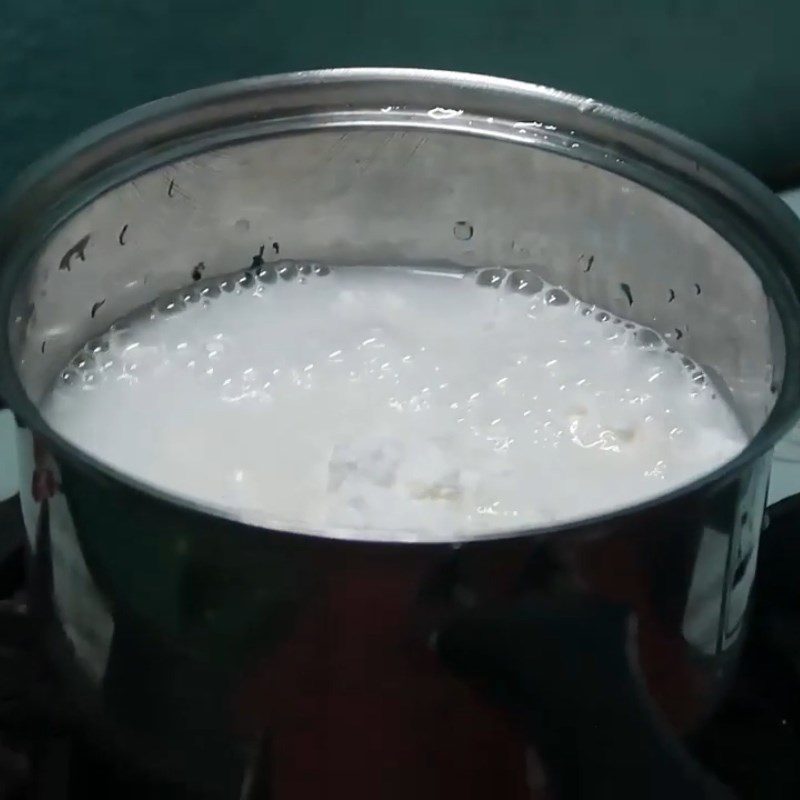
<point>752,744</point>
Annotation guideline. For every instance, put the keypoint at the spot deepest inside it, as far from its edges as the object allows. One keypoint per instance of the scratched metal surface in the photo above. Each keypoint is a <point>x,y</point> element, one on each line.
<point>722,72</point>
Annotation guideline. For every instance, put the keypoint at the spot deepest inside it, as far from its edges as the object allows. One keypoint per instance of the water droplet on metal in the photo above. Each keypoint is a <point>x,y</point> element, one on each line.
<point>463,230</point>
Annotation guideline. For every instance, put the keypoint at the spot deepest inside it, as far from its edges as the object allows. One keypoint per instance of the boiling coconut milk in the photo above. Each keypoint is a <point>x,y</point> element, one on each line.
<point>400,402</point>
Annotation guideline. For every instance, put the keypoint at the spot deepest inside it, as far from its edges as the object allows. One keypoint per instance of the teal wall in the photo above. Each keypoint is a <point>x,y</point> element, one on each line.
<point>724,71</point>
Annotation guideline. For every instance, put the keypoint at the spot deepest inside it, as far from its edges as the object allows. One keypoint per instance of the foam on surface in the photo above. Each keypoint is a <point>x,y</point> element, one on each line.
<point>432,403</point>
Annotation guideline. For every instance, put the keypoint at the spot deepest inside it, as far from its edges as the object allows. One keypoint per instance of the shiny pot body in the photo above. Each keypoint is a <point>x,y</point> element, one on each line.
<point>301,664</point>
<point>189,649</point>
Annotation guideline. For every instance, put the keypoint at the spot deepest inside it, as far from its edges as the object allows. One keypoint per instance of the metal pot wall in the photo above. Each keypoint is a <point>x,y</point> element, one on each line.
<point>225,654</point>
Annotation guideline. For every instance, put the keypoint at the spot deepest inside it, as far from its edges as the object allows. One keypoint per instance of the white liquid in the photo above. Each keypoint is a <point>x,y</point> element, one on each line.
<point>421,404</point>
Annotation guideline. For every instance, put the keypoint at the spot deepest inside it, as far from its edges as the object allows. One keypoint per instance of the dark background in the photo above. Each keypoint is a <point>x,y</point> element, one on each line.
<point>726,72</point>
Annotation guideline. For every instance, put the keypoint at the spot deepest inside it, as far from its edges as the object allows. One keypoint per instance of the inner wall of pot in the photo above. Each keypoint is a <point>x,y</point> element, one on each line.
<point>406,197</point>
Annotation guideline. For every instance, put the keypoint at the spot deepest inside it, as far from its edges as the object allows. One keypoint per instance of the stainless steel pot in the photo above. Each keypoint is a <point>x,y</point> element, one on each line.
<point>225,654</point>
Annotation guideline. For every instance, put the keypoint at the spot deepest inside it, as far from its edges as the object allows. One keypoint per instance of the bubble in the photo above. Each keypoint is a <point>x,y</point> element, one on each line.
<point>556,297</point>
<point>287,271</point>
<point>83,361</point>
<point>210,291</point>
<point>246,280</point>
<point>267,274</point>
<point>169,306</point>
<point>97,346</point>
<point>647,338</point>
<point>70,377</point>
<point>524,281</point>
<point>304,269</point>
<point>321,270</point>
<point>491,277</point>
